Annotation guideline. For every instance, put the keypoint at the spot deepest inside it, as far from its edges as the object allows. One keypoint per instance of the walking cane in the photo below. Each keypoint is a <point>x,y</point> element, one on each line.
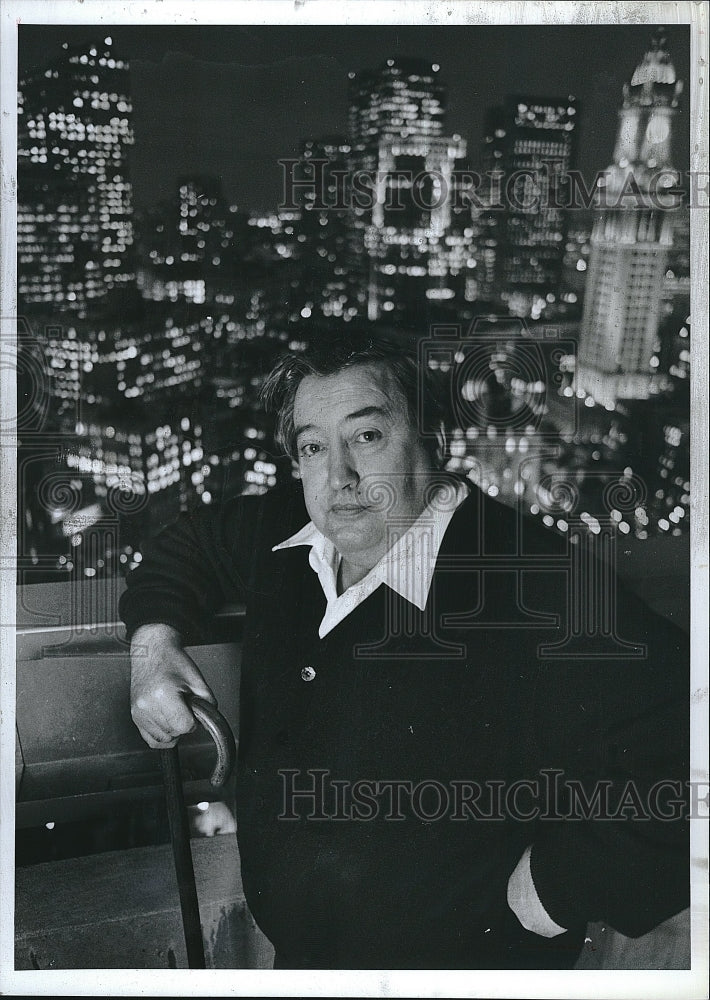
<point>218,728</point>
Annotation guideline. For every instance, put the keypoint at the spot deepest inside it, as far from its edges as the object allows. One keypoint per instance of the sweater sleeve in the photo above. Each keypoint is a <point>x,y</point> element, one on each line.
<point>177,582</point>
<point>203,560</point>
<point>616,845</point>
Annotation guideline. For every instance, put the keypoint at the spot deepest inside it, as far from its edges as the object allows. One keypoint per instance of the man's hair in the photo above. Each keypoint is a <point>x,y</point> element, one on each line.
<point>328,355</point>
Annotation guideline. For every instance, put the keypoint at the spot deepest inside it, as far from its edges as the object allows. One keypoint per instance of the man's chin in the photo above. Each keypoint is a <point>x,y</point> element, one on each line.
<point>349,534</point>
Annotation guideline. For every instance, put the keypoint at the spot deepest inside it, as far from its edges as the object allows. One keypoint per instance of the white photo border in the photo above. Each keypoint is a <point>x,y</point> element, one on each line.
<point>602,984</point>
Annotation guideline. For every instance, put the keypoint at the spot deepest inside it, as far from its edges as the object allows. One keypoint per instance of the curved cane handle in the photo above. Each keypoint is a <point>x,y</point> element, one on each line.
<point>218,728</point>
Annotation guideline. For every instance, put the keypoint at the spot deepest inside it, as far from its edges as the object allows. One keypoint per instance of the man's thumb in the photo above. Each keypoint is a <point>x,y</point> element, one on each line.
<point>197,686</point>
<point>191,680</point>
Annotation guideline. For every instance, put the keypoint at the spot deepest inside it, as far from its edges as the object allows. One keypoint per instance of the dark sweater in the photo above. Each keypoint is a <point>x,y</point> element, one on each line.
<point>472,690</point>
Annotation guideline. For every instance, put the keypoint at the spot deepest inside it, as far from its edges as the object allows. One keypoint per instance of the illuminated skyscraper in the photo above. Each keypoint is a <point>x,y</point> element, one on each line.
<point>487,215</point>
<point>631,239</point>
<point>529,148</point>
<point>417,251</point>
<point>401,227</point>
<point>403,98</point>
<point>186,246</point>
<point>323,230</point>
<point>74,228</point>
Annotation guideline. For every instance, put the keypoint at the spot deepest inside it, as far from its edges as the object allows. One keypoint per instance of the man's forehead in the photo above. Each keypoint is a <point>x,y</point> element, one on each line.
<point>362,385</point>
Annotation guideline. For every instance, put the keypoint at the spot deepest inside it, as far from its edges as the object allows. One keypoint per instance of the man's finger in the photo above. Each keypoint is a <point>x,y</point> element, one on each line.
<point>156,738</point>
<point>165,743</point>
<point>176,719</point>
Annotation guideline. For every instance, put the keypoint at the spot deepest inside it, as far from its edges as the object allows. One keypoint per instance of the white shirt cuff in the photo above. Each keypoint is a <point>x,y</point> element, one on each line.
<point>525,902</point>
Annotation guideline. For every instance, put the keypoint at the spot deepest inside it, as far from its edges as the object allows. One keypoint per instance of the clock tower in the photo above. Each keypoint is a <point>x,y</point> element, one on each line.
<point>636,200</point>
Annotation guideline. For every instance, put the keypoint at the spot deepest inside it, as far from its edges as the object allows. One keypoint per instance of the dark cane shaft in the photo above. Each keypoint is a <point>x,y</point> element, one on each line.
<point>180,838</point>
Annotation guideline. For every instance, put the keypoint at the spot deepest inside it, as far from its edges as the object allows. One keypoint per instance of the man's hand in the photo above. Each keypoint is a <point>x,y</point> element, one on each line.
<point>161,675</point>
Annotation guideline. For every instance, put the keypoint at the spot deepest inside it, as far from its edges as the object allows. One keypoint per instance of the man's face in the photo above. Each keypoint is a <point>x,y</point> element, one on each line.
<point>353,435</point>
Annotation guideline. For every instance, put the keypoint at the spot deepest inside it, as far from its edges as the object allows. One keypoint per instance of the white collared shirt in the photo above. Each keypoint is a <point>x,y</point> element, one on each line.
<point>407,567</point>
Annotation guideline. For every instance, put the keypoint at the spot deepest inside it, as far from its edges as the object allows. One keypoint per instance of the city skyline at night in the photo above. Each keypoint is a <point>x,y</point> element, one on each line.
<point>154,388</point>
<point>231,101</point>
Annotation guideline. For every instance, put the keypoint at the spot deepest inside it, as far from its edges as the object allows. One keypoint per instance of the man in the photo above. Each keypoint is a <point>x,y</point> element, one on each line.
<point>426,778</point>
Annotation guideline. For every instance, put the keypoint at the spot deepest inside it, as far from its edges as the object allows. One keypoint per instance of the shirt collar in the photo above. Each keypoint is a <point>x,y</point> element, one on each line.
<point>407,567</point>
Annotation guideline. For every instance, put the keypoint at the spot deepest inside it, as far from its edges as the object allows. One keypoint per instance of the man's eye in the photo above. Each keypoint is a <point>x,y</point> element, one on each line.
<point>309,449</point>
<point>368,437</point>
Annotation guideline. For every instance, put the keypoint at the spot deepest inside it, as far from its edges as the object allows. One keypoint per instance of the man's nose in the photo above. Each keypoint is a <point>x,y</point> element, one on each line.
<point>341,469</point>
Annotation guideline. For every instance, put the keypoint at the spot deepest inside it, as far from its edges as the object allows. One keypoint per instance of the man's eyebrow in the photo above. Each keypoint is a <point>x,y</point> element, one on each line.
<point>303,428</point>
<point>366,411</point>
<point>370,411</point>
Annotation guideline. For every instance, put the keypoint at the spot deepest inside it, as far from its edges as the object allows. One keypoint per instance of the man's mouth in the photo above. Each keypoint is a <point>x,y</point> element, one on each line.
<point>347,508</point>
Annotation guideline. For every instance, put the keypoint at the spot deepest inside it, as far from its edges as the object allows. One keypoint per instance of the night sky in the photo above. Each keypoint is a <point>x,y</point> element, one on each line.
<point>232,100</point>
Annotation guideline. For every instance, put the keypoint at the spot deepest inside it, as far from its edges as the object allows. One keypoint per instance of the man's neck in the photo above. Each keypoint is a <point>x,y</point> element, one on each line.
<point>349,574</point>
